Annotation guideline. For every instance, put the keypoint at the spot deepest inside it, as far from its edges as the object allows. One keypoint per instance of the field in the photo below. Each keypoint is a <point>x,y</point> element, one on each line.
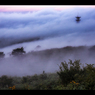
<point>71,76</point>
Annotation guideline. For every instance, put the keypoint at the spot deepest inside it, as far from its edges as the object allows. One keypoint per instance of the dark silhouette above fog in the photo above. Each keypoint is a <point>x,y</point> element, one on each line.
<point>78,19</point>
<point>18,51</point>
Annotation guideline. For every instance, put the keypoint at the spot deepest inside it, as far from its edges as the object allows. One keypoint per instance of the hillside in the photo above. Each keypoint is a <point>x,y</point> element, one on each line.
<point>35,62</point>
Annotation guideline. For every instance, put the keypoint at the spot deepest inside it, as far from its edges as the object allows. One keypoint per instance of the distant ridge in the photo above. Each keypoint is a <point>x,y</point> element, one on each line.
<point>64,50</point>
<point>3,44</point>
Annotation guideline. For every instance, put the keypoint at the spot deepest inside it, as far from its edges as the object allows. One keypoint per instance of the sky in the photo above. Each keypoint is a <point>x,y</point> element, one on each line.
<point>4,8</point>
<point>22,23</point>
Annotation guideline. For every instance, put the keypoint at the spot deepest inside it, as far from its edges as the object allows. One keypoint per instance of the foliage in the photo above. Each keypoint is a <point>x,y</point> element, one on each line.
<point>75,77</point>
<point>6,81</point>
<point>69,77</point>
<point>90,77</point>
<point>67,73</point>
<point>24,80</point>
<point>12,87</point>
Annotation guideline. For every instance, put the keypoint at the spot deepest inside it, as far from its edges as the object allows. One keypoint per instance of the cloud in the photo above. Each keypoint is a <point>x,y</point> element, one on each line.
<point>46,60</point>
<point>45,23</point>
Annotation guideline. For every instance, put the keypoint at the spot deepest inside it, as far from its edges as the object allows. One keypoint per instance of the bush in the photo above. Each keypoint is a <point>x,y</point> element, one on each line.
<point>24,80</point>
<point>6,81</point>
<point>71,71</point>
<point>68,70</point>
<point>90,77</point>
<point>43,76</point>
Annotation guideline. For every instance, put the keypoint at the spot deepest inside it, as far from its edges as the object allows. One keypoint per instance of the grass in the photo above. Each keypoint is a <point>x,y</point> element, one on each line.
<point>36,82</point>
<point>69,77</point>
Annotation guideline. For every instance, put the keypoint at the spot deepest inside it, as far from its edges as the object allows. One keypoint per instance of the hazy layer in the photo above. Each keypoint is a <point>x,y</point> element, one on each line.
<point>37,61</point>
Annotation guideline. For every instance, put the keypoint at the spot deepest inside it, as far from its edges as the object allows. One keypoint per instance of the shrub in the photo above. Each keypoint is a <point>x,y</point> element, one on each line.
<point>90,77</point>
<point>72,71</point>
<point>6,81</point>
<point>24,80</point>
<point>43,76</point>
<point>68,70</point>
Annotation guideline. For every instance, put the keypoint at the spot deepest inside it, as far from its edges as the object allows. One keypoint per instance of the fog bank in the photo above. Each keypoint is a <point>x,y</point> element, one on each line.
<point>48,60</point>
<point>18,27</point>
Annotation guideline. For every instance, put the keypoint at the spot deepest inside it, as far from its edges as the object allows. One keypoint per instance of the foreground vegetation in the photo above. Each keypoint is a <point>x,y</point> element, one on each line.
<point>71,76</point>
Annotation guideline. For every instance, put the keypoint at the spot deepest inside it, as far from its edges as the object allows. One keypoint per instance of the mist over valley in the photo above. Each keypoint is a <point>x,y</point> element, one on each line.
<point>35,62</point>
<point>48,37</point>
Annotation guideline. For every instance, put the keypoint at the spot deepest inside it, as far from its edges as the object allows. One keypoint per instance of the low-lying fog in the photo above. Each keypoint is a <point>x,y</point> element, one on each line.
<point>37,61</point>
